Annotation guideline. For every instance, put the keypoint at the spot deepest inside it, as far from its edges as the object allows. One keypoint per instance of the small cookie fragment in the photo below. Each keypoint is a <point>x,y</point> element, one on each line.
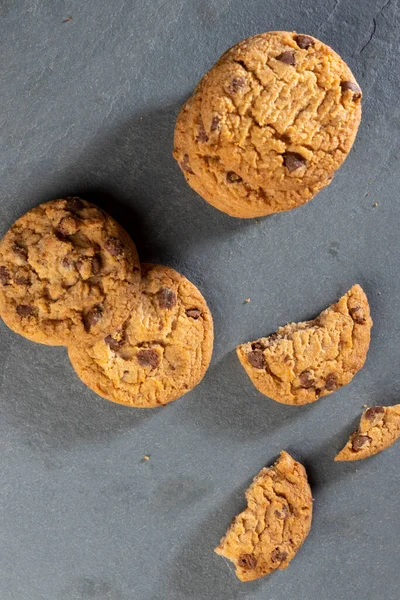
<point>379,428</point>
<point>68,272</point>
<point>268,533</point>
<point>302,362</point>
<point>159,353</point>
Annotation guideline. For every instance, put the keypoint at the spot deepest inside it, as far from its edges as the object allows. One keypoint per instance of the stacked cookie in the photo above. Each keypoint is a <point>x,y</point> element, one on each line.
<point>70,275</point>
<point>268,125</point>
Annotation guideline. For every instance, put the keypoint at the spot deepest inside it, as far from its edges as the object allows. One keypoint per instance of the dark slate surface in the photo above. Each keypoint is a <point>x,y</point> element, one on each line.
<point>88,107</point>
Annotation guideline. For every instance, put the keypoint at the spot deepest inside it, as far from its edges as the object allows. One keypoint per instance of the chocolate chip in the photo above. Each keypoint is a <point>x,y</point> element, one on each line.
<point>114,246</point>
<point>21,280</point>
<point>232,177</point>
<point>304,41</point>
<point>256,359</point>
<point>248,561</point>
<point>68,263</point>
<point>359,441</point>
<point>4,275</point>
<point>166,298</point>
<point>202,135</point>
<point>74,204</point>
<point>25,310</point>
<point>306,380</point>
<point>293,161</point>
<point>147,358</point>
<point>372,412</point>
<point>331,382</point>
<point>20,251</point>
<point>285,137</point>
<point>114,344</point>
<point>273,337</point>
<point>193,313</point>
<point>278,555</point>
<point>258,346</point>
<point>283,513</point>
<point>96,264</point>
<point>357,315</point>
<point>350,85</point>
<point>61,236</point>
<point>92,317</point>
<point>287,57</point>
<point>185,166</point>
<point>214,123</point>
<point>236,84</point>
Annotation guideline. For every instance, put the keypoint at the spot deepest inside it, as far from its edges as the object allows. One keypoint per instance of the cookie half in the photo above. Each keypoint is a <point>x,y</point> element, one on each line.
<point>268,533</point>
<point>302,362</point>
<point>207,174</point>
<point>69,274</point>
<point>160,352</point>
<point>379,428</point>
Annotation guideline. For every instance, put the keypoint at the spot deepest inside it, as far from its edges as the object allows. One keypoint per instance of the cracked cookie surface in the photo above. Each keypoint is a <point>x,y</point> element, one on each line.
<point>379,428</point>
<point>68,273</point>
<point>268,125</point>
<point>207,174</point>
<point>268,533</point>
<point>302,362</point>
<point>284,113</point>
<point>161,351</point>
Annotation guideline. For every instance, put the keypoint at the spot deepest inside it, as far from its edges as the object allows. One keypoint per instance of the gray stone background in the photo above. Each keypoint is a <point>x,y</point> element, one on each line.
<point>88,107</point>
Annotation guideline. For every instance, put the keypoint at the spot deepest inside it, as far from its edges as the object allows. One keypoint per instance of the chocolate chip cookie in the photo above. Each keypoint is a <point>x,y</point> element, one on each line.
<point>302,362</point>
<point>268,533</point>
<point>269,124</point>
<point>68,273</point>
<point>379,428</point>
<point>160,352</point>
<point>208,176</point>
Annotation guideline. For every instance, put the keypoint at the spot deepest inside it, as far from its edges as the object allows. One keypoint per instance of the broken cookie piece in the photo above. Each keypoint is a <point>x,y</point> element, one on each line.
<point>302,362</point>
<point>379,428</point>
<point>268,533</point>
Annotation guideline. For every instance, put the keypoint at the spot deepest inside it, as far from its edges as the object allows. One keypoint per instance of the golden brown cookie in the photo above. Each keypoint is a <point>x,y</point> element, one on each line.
<point>379,428</point>
<point>268,533</point>
<point>277,113</point>
<point>68,273</point>
<point>302,362</point>
<point>206,173</point>
<point>161,351</point>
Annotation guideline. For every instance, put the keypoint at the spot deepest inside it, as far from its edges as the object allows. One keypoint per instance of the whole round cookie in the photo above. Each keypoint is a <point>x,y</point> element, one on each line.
<point>282,109</point>
<point>68,273</point>
<point>161,351</point>
<point>224,189</point>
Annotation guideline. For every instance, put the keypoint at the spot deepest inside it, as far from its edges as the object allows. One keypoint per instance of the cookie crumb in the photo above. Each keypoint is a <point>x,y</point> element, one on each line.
<point>375,204</point>
<point>247,301</point>
<point>67,20</point>
<point>365,405</point>
<point>379,293</point>
<point>146,457</point>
